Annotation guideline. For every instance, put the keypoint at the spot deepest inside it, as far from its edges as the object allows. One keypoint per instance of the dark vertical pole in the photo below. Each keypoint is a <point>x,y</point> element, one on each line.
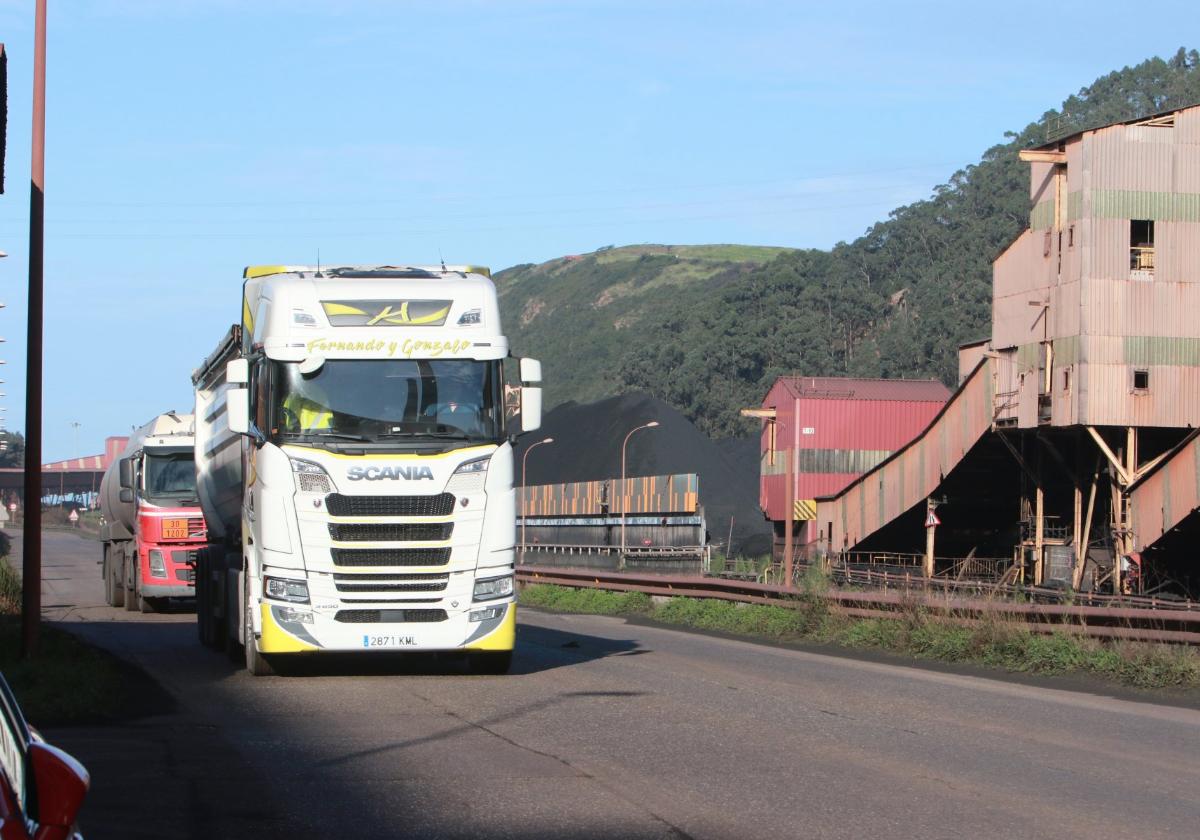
<point>31,606</point>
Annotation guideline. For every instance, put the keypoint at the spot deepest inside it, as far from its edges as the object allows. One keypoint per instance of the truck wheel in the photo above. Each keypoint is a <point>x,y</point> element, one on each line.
<point>115,581</point>
<point>203,611</point>
<point>256,663</point>
<point>110,580</point>
<point>232,649</point>
<point>493,663</point>
<point>129,584</point>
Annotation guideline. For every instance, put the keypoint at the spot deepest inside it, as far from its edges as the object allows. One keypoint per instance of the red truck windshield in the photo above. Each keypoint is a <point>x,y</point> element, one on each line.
<point>170,477</point>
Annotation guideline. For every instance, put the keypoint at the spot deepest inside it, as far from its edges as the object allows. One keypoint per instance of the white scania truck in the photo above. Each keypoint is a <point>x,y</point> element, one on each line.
<point>354,459</point>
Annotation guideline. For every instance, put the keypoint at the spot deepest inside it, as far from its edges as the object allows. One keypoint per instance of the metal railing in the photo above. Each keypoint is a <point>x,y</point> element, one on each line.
<point>1113,618</point>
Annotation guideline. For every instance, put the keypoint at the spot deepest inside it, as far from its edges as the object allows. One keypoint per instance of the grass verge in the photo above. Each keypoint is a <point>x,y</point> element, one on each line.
<point>994,643</point>
<point>70,682</point>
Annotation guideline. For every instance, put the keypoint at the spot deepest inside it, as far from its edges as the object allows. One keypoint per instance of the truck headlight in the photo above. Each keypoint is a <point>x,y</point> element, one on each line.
<point>469,477</point>
<point>311,477</point>
<point>478,465</point>
<point>282,589</point>
<point>158,568</point>
<point>486,590</point>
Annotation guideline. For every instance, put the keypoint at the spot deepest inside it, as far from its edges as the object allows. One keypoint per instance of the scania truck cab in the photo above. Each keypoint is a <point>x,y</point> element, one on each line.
<point>354,454</point>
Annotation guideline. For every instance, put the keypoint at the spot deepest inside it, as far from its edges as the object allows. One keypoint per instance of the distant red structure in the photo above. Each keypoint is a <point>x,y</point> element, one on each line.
<point>834,430</point>
<point>112,450</point>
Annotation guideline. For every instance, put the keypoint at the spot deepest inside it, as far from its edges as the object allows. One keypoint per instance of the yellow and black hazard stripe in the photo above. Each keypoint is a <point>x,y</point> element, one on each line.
<point>804,509</point>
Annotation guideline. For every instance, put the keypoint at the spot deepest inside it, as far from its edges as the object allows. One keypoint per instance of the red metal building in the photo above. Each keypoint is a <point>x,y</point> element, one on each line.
<point>833,430</point>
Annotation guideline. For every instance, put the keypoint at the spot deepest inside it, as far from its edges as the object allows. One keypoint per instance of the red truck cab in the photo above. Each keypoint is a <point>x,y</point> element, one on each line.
<point>153,525</point>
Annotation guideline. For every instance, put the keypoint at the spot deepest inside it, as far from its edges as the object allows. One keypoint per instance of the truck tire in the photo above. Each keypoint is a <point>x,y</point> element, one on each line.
<point>110,580</point>
<point>203,611</point>
<point>129,583</point>
<point>232,648</point>
<point>493,663</point>
<point>256,663</point>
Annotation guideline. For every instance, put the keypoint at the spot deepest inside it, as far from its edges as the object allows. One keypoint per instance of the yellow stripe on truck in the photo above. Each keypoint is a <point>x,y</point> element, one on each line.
<point>275,639</point>
<point>503,637</point>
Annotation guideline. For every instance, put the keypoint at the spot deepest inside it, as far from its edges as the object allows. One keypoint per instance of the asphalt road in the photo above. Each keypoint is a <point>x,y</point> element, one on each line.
<point>609,729</point>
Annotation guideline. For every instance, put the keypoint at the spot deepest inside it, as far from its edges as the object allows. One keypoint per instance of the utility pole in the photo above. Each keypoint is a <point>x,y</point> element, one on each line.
<point>31,590</point>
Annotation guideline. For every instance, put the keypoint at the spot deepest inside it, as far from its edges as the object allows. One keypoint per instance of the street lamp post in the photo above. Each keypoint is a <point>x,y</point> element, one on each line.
<point>624,497</point>
<point>524,513</point>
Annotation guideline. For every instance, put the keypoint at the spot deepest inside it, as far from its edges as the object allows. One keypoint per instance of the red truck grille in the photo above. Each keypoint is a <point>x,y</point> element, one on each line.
<point>196,529</point>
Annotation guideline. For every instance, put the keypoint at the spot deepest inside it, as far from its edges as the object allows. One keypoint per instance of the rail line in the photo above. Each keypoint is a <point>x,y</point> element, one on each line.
<point>1173,626</point>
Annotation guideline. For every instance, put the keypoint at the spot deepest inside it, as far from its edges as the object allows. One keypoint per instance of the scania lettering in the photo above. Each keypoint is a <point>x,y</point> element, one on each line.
<point>153,526</point>
<point>354,457</point>
<point>380,473</point>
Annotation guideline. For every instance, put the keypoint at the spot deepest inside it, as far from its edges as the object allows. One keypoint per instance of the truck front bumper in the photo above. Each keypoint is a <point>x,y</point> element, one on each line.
<point>284,631</point>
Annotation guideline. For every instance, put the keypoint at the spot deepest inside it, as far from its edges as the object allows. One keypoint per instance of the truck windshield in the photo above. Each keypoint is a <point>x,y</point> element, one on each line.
<point>170,476</point>
<point>378,399</point>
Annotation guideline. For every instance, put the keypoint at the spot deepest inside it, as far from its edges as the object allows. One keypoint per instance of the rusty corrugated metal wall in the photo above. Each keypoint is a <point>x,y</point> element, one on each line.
<point>1104,318</point>
<point>679,493</point>
<point>1167,495</point>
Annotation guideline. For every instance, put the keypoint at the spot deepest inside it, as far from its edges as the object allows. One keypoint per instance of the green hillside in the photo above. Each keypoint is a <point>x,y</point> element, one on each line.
<point>581,313</point>
<point>708,328</point>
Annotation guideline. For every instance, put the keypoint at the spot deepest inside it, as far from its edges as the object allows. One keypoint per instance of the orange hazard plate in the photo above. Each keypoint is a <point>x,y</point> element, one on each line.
<point>174,529</point>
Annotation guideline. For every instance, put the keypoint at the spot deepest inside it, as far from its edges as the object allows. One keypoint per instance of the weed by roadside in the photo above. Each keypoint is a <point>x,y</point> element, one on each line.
<point>69,681</point>
<point>913,632</point>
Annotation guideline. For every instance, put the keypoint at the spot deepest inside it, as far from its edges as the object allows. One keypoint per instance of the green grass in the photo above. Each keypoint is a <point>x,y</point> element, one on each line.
<point>69,681</point>
<point>995,644</point>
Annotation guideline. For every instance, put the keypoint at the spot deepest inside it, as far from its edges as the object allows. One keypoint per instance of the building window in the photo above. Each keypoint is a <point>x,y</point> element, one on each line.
<point>1066,379</point>
<point>1141,245</point>
<point>1047,243</point>
<point>1071,236</point>
<point>1141,380</point>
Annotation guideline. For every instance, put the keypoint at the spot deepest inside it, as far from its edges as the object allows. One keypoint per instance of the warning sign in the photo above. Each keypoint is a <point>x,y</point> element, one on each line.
<point>931,520</point>
<point>73,516</point>
<point>804,510</point>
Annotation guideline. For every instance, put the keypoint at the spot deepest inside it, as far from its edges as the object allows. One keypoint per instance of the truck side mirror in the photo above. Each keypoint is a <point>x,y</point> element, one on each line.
<point>531,395</point>
<point>237,410</point>
<point>125,473</point>
<point>237,400</point>
<point>237,371</point>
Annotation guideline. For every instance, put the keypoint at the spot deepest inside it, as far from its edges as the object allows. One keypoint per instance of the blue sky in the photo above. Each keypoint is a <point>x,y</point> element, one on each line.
<point>188,138</point>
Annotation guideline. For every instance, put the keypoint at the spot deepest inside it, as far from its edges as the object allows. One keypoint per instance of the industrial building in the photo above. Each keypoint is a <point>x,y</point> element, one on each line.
<point>823,432</point>
<point>1068,449</point>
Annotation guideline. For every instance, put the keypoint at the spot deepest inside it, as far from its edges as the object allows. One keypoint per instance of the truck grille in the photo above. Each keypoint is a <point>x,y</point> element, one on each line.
<point>440,505</point>
<point>390,616</point>
<point>390,583</point>
<point>196,528</point>
<point>184,557</point>
<point>390,556</point>
<point>407,532</point>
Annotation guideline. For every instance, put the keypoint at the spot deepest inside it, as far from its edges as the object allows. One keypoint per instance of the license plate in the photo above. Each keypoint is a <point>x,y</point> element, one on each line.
<point>390,641</point>
<point>174,529</point>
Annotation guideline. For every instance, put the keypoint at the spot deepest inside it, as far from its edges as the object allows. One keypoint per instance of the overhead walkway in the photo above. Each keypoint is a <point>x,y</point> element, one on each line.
<point>912,474</point>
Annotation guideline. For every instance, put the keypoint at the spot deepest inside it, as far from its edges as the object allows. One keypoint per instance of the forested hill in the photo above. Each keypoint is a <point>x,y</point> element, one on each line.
<point>708,328</point>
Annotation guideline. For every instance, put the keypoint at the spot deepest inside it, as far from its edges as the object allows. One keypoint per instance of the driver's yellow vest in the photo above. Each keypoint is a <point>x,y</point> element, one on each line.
<point>309,414</point>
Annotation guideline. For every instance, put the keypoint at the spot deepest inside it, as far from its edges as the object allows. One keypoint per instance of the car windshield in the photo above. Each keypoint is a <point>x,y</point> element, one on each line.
<point>377,399</point>
<point>170,475</point>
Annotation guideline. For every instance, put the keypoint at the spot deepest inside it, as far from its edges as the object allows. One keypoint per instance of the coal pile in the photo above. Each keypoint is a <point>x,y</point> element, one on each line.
<point>587,447</point>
